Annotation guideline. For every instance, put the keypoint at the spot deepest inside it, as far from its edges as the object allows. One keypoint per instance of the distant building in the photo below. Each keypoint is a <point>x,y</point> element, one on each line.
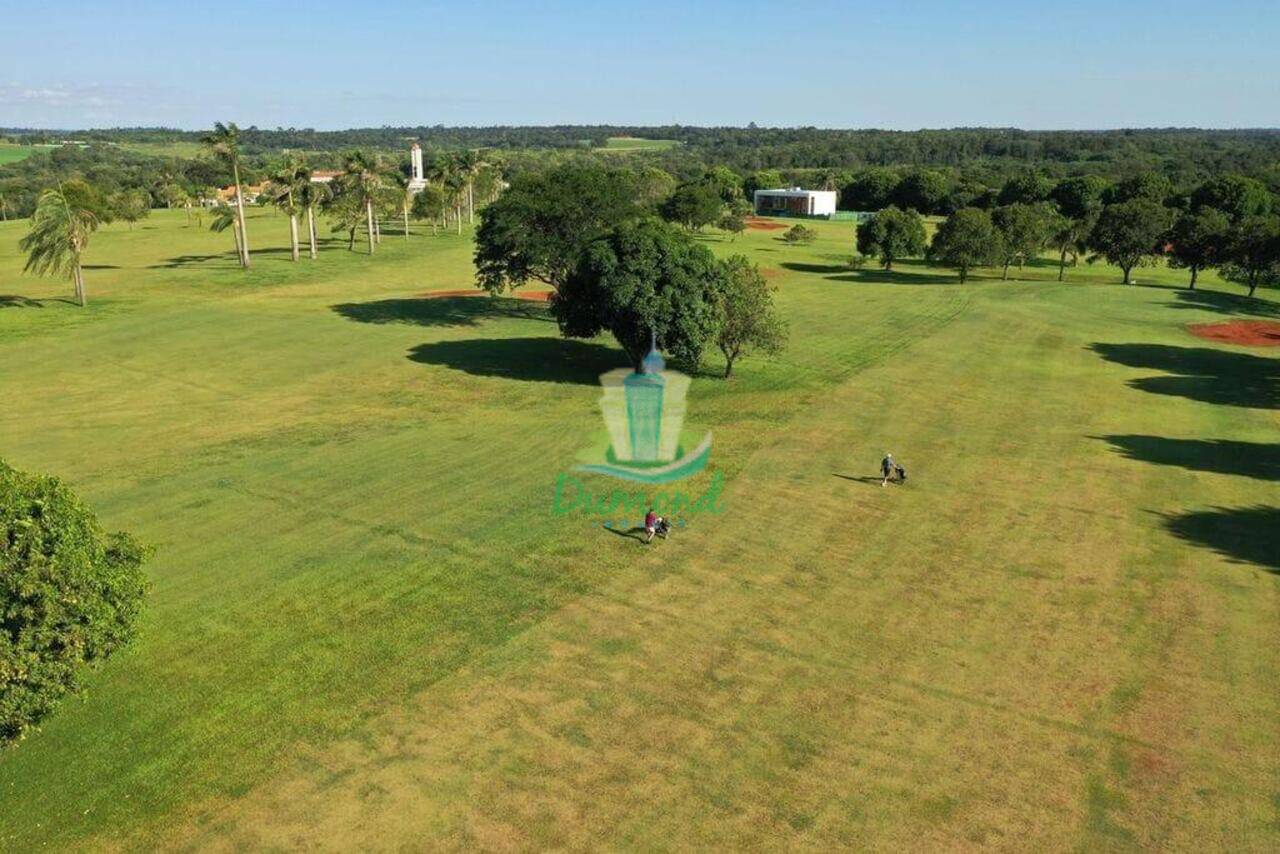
<point>324,176</point>
<point>227,195</point>
<point>418,182</point>
<point>795,202</point>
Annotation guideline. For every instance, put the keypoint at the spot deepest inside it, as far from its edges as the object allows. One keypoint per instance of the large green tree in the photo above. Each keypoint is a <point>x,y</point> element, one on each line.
<point>967,239</point>
<point>892,234</point>
<point>1235,195</point>
<point>224,141</point>
<point>1025,189</point>
<point>1129,233</point>
<point>1254,252</point>
<point>538,227</point>
<point>1199,240</point>
<point>60,228</point>
<point>923,190</point>
<point>747,322</point>
<point>694,204</point>
<point>870,190</point>
<point>1024,230</point>
<point>70,595</point>
<point>643,281</point>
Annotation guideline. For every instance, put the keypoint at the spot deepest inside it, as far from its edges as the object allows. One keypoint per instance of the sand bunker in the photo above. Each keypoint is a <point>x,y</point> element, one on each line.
<point>1249,333</point>
<point>763,224</point>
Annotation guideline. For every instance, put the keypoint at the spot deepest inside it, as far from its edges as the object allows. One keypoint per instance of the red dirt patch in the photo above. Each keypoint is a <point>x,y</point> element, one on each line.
<point>770,272</point>
<point>763,224</point>
<point>1249,333</point>
<point>535,296</point>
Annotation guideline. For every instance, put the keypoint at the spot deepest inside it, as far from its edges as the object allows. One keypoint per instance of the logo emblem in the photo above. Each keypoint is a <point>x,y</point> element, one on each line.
<point>644,414</point>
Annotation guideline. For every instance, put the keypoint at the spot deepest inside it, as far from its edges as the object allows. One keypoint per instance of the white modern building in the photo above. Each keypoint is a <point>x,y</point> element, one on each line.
<point>795,202</point>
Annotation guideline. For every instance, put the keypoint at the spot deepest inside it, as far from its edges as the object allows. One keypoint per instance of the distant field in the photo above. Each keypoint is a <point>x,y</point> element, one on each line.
<point>368,629</point>
<point>635,143</point>
<point>166,149</point>
<point>11,153</point>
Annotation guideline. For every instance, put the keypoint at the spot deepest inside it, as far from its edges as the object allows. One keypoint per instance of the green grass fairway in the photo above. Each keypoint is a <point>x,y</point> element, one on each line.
<point>12,153</point>
<point>635,143</point>
<point>367,628</point>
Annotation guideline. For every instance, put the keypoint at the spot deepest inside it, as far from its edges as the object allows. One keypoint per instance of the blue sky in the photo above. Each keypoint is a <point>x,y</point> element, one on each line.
<point>900,65</point>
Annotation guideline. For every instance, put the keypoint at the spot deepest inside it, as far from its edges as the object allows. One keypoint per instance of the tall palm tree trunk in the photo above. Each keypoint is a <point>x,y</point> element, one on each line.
<point>404,209</point>
<point>471,203</point>
<point>235,230</point>
<point>244,234</point>
<point>293,235</point>
<point>368,211</point>
<point>457,216</point>
<point>311,230</point>
<point>79,276</point>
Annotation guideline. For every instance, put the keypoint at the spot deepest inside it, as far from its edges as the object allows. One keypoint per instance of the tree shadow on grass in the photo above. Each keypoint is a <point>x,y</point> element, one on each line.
<point>1241,534</point>
<point>1248,459</point>
<point>442,311</point>
<point>1200,373</point>
<point>841,273</point>
<point>19,301</point>
<point>1221,303</point>
<point>549,360</point>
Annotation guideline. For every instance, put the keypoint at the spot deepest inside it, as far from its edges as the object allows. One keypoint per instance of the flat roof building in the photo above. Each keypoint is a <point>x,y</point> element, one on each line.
<point>795,202</point>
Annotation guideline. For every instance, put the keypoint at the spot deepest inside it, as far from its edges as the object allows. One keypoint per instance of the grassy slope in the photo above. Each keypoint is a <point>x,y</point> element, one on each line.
<point>366,625</point>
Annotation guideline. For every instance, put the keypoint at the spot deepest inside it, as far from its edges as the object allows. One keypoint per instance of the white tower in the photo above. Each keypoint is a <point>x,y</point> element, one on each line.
<point>417,182</point>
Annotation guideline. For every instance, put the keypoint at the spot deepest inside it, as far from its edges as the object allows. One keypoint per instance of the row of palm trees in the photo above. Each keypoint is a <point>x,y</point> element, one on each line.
<point>367,187</point>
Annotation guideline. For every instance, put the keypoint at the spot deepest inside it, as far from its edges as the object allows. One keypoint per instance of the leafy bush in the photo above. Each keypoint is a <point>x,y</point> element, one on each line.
<point>800,234</point>
<point>70,595</point>
<point>855,262</point>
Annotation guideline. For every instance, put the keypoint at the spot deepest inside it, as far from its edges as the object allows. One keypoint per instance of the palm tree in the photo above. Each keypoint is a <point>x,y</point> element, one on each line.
<point>362,176</point>
<point>60,229</point>
<point>286,185</point>
<point>225,143</point>
<point>224,217</point>
<point>444,171</point>
<point>455,189</point>
<point>469,163</point>
<point>310,197</point>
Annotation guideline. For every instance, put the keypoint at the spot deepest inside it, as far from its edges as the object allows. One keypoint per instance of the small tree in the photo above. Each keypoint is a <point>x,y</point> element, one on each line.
<point>967,239</point>
<point>1199,241</point>
<point>892,234</point>
<point>747,322</point>
<point>130,205</point>
<point>643,281</point>
<point>70,595</point>
<point>1024,228</point>
<point>1128,233</point>
<point>1254,252</point>
<point>800,234</point>
<point>429,204</point>
<point>734,221</point>
<point>224,217</point>
<point>60,229</point>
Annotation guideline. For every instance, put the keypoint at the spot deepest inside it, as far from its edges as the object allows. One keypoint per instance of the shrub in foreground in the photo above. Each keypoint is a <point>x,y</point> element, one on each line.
<point>70,595</point>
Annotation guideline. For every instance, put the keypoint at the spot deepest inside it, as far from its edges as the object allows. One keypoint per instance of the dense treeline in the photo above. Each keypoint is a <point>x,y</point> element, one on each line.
<point>935,171</point>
